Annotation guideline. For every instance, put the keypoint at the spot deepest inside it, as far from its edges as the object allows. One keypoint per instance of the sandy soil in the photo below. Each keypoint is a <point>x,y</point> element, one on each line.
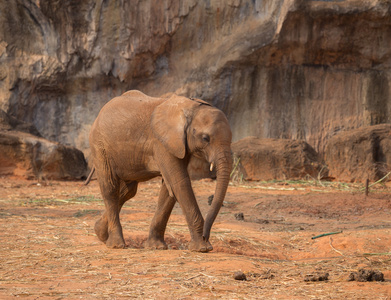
<point>49,249</point>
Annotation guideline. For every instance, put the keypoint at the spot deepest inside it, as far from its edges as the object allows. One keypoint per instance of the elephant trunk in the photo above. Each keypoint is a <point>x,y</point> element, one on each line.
<point>223,170</point>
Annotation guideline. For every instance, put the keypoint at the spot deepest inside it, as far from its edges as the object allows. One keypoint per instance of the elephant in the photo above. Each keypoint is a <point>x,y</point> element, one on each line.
<point>136,138</point>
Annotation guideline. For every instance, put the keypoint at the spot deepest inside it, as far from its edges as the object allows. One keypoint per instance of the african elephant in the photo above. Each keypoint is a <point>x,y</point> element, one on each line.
<point>136,138</point>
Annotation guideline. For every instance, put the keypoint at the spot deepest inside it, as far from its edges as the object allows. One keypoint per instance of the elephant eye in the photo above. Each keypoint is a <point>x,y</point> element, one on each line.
<point>206,138</point>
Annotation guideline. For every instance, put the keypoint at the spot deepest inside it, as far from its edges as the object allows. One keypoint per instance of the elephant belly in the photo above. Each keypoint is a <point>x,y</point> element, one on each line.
<point>139,176</point>
<point>142,172</point>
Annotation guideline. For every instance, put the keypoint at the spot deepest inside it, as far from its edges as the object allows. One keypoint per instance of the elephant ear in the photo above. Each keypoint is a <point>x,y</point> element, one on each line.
<point>169,122</point>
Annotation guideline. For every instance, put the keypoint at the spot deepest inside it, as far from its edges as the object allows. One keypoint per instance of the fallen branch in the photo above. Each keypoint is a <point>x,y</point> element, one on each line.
<point>190,278</point>
<point>198,275</point>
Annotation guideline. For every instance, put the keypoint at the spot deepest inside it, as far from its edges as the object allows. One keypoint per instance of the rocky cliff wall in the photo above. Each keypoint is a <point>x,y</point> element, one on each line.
<point>278,68</point>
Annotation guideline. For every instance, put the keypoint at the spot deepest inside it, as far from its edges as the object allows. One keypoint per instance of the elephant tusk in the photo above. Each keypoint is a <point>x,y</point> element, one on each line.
<point>211,167</point>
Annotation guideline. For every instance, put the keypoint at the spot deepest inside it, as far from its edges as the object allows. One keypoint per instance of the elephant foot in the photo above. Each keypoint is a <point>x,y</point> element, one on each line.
<point>200,246</point>
<point>115,241</point>
<point>101,229</point>
<point>155,243</point>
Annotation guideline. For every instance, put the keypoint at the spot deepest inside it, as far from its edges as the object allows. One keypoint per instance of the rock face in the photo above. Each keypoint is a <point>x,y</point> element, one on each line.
<point>278,68</point>
<point>360,154</point>
<point>29,156</point>
<point>8,122</point>
<point>291,69</point>
<point>267,159</point>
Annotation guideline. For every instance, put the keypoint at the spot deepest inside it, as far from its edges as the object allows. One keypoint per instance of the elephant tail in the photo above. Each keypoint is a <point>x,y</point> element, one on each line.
<point>89,176</point>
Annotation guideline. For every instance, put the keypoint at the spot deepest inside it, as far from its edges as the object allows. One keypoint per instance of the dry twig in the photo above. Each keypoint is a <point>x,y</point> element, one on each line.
<point>331,244</point>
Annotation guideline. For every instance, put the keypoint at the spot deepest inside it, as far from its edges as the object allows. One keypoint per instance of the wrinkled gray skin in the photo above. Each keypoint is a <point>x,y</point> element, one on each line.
<point>136,138</point>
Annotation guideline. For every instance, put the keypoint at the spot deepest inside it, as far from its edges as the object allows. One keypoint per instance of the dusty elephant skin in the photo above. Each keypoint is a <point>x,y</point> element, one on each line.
<point>136,138</point>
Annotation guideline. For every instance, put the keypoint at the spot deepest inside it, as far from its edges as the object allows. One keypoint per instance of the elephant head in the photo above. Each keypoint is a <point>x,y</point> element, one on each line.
<point>192,127</point>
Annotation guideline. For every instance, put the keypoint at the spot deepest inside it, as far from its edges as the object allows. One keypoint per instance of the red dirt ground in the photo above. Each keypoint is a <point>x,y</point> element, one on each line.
<point>49,249</point>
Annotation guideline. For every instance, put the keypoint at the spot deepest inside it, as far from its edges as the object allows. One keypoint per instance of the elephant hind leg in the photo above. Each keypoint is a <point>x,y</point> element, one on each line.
<point>101,228</point>
<point>108,228</point>
<point>127,191</point>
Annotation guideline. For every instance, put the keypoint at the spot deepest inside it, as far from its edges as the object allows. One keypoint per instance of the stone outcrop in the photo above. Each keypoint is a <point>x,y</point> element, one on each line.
<point>291,69</point>
<point>8,122</point>
<point>26,155</point>
<point>268,159</point>
<point>360,154</point>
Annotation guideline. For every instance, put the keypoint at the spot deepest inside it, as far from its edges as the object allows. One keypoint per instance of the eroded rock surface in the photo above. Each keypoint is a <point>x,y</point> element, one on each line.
<point>279,69</point>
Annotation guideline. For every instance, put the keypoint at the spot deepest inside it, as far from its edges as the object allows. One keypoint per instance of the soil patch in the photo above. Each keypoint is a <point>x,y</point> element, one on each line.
<point>49,249</point>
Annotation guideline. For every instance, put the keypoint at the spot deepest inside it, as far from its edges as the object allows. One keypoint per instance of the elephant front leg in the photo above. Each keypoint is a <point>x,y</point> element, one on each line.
<point>175,173</point>
<point>160,219</point>
<point>185,196</point>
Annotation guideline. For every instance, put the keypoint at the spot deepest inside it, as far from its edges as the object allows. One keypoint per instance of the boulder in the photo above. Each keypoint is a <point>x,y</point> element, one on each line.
<point>26,155</point>
<point>360,154</point>
<point>268,159</point>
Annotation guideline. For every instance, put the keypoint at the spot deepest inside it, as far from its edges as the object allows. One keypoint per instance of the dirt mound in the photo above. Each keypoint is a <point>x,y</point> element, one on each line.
<point>24,154</point>
<point>267,159</point>
<point>360,154</point>
<point>366,275</point>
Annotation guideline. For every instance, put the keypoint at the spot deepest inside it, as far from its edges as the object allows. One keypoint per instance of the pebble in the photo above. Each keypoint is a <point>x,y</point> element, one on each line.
<point>239,275</point>
<point>239,216</point>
